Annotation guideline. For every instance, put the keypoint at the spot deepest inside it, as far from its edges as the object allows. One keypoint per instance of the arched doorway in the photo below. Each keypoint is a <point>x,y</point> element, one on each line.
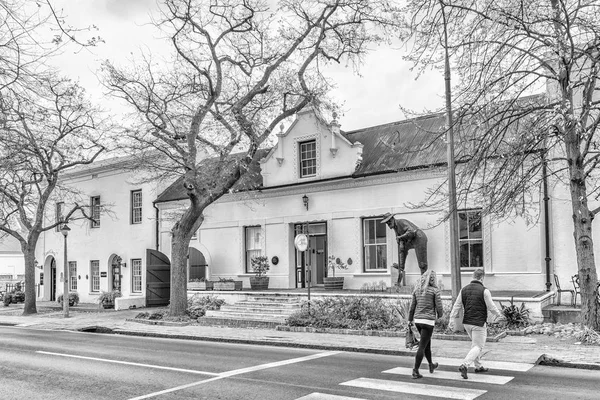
<point>196,264</point>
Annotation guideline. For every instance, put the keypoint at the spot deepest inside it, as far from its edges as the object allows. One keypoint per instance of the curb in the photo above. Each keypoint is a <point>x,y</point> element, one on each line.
<point>264,343</point>
<point>550,361</point>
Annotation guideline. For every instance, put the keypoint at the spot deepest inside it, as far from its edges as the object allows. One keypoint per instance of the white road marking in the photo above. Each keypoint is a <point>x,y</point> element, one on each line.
<point>190,371</point>
<point>446,392</point>
<point>325,396</point>
<point>239,372</point>
<point>503,365</point>
<point>455,376</point>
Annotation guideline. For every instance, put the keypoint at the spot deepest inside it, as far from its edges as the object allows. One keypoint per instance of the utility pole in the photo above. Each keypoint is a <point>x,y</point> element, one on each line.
<point>452,206</point>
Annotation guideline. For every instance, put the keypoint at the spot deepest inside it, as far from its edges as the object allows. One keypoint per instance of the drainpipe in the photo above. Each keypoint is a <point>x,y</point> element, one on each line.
<point>546,221</point>
<point>156,224</point>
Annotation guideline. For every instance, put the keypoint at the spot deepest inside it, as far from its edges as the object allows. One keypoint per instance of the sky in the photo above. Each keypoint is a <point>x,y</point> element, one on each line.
<point>373,98</point>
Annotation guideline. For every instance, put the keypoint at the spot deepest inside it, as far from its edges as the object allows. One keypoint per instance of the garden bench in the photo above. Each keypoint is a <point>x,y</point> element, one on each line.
<point>559,291</point>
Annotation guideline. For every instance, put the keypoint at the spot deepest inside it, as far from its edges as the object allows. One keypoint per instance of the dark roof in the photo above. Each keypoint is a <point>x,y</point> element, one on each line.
<point>396,146</point>
<point>402,145</point>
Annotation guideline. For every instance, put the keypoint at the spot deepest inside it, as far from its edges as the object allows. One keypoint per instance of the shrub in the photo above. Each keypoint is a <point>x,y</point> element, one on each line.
<point>7,299</point>
<point>156,315</point>
<point>73,298</point>
<point>18,296</point>
<point>348,313</point>
<point>260,265</point>
<point>143,315</point>
<point>441,324</point>
<point>197,305</point>
<point>516,317</point>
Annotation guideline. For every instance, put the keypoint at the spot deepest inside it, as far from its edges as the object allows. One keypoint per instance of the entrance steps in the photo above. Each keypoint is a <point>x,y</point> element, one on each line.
<point>561,314</point>
<point>256,311</point>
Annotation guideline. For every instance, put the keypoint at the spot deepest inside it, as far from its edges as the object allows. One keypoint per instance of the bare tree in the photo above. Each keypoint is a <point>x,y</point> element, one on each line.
<point>40,138</point>
<point>511,138</point>
<point>238,70</point>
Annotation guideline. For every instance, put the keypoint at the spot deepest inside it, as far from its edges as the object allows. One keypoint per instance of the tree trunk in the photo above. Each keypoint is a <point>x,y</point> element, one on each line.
<point>182,233</point>
<point>582,233</point>
<point>30,295</point>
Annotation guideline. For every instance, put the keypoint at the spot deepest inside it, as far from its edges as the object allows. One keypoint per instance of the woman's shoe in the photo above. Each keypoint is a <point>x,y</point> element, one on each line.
<point>416,374</point>
<point>432,367</point>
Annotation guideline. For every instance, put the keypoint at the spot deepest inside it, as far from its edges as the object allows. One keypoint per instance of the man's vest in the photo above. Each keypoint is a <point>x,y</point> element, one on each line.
<point>474,304</point>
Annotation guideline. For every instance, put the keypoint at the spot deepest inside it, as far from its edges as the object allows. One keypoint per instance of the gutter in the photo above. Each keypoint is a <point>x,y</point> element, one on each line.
<point>546,221</point>
<point>156,224</point>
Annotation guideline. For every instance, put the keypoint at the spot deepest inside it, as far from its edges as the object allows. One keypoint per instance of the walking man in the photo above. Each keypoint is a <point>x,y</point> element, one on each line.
<point>475,300</point>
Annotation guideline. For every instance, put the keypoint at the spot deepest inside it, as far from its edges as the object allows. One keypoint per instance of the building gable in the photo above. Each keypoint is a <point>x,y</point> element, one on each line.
<point>310,150</point>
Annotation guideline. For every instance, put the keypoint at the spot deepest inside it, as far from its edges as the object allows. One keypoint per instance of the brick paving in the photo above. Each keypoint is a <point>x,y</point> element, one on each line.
<point>564,352</point>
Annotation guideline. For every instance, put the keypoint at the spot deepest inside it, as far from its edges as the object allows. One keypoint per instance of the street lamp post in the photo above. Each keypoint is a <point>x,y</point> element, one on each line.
<point>65,232</point>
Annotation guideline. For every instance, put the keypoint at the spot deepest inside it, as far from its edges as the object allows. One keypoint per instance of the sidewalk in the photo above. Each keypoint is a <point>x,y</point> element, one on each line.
<point>527,349</point>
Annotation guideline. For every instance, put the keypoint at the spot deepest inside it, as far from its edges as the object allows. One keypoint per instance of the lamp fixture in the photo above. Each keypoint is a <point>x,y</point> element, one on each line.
<point>65,230</point>
<point>305,201</point>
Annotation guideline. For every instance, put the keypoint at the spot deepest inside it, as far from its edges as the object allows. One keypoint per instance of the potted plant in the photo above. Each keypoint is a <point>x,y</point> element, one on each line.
<point>73,299</point>
<point>200,284</point>
<point>260,266</point>
<point>107,299</point>
<point>332,282</point>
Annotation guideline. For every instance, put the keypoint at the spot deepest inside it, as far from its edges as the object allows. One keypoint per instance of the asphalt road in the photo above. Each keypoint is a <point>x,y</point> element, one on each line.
<point>47,365</point>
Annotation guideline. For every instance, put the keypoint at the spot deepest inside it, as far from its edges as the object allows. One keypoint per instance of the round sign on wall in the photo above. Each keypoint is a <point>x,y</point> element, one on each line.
<point>301,242</point>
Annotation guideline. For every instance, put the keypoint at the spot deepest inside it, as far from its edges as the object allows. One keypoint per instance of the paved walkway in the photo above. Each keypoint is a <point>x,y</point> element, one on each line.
<point>566,352</point>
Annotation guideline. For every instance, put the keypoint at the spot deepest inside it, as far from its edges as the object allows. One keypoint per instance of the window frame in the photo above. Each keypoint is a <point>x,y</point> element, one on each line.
<point>136,278</point>
<point>95,211</point>
<point>133,208</point>
<point>249,253</point>
<point>302,160</point>
<point>94,276</point>
<point>377,222</point>
<point>470,241</point>
<point>72,277</point>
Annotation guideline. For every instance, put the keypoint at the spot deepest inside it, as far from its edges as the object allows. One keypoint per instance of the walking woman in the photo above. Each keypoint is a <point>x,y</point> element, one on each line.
<point>425,308</point>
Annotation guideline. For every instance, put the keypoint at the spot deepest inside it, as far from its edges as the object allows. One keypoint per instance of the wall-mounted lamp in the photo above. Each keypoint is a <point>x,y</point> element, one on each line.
<point>124,265</point>
<point>305,201</point>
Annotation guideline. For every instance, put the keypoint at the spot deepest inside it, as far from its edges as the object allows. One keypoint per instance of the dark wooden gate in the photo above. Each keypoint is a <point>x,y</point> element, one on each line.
<point>158,279</point>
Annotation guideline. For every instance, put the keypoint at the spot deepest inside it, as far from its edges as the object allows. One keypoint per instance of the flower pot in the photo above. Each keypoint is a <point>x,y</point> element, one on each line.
<point>259,283</point>
<point>334,283</point>
<point>107,304</point>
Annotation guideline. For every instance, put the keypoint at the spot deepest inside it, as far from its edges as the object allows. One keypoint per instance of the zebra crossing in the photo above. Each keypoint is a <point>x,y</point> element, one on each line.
<point>433,384</point>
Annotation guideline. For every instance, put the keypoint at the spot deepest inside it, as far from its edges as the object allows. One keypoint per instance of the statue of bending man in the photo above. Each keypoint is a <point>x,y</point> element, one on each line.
<point>408,236</point>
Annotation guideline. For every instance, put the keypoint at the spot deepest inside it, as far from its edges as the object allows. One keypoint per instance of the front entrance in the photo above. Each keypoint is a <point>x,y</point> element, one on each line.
<point>314,259</point>
<point>196,265</point>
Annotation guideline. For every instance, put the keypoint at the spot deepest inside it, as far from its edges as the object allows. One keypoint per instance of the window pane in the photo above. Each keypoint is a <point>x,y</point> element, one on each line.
<point>95,273</point>
<point>253,245</point>
<point>462,225</point>
<point>370,257</point>
<point>476,251</point>
<point>474,225</point>
<point>370,237</point>
<point>308,158</point>
<point>464,255</point>
<point>73,275</point>
<point>381,257</point>
<point>136,275</point>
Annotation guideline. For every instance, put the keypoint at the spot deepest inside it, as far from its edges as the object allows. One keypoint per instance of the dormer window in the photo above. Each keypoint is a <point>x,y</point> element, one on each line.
<point>308,158</point>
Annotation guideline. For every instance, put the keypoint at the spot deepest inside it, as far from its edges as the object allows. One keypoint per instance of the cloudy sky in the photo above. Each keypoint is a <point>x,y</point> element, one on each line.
<point>374,98</point>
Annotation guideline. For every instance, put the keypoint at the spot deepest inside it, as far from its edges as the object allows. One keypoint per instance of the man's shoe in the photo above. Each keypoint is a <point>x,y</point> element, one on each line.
<point>463,371</point>
<point>416,374</point>
<point>432,367</point>
<point>481,370</point>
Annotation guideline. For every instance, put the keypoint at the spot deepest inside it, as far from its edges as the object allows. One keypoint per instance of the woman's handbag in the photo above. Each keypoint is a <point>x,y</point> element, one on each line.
<point>411,338</point>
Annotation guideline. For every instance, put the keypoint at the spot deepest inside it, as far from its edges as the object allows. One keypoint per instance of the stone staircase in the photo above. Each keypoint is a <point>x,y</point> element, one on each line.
<point>257,311</point>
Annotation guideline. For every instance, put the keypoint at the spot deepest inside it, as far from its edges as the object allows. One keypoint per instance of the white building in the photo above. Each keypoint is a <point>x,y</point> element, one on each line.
<point>109,252</point>
<point>338,185</point>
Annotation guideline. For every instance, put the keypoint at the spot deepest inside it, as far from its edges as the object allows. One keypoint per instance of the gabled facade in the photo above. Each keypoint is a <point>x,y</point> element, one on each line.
<point>336,186</point>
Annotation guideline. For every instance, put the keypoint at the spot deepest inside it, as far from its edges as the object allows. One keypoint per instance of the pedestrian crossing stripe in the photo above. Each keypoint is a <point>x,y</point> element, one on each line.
<point>455,376</point>
<point>325,396</point>
<point>503,365</point>
<point>446,392</point>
